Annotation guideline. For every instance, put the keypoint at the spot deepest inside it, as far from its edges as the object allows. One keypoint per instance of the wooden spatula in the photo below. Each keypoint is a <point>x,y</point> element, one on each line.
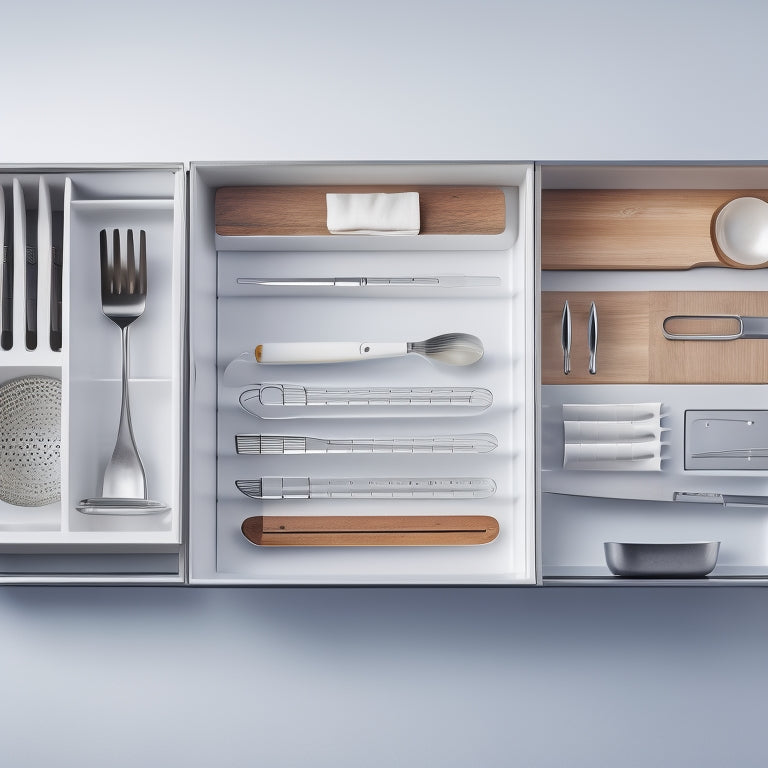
<point>371,531</point>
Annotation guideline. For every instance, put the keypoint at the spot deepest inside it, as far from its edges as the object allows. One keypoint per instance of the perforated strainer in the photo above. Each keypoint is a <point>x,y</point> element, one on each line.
<point>30,441</point>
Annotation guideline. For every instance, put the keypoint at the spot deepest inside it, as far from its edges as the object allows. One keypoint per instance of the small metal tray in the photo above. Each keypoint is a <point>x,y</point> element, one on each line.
<point>680,561</point>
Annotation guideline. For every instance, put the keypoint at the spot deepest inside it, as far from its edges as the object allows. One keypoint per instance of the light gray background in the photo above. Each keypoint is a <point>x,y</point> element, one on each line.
<point>381,677</point>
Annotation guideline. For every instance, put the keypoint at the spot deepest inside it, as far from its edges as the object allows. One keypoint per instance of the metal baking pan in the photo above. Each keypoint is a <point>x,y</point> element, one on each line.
<point>680,560</point>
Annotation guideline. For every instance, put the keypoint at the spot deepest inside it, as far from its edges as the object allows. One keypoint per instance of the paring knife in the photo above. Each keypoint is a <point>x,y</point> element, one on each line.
<point>296,444</point>
<point>592,338</point>
<point>367,488</point>
<point>438,281</point>
<point>370,531</point>
<point>565,338</point>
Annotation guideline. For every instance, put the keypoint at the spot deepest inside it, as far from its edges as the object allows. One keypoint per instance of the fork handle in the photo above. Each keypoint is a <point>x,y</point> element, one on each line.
<point>124,476</point>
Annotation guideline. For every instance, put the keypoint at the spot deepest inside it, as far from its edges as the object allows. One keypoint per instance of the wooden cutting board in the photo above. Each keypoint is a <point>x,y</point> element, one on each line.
<point>369,531</point>
<point>302,210</point>
<point>631,229</point>
<point>631,346</point>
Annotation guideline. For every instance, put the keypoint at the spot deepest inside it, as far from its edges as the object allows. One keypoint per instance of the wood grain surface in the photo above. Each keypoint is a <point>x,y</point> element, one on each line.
<point>632,348</point>
<point>632,229</point>
<point>369,531</point>
<point>622,348</point>
<point>265,211</point>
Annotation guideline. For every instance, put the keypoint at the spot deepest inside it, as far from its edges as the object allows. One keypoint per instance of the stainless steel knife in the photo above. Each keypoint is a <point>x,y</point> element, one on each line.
<point>565,338</point>
<point>438,281</point>
<point>592,338</point>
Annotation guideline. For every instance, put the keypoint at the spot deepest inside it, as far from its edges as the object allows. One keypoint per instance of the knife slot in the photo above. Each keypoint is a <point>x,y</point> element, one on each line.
<point>376,530</point>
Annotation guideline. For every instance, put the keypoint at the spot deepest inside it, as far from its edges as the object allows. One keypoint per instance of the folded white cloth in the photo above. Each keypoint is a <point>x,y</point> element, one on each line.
<point>379,213</point>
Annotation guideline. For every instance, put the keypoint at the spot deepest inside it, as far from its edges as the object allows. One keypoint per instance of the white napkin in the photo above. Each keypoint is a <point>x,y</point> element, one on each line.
<point>378,213</point>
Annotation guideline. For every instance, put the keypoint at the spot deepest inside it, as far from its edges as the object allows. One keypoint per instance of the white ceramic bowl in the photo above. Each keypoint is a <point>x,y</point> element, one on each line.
<point>741,231</point>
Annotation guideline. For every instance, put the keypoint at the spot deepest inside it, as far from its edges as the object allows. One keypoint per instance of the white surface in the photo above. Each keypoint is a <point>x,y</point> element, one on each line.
<point>289,677</point>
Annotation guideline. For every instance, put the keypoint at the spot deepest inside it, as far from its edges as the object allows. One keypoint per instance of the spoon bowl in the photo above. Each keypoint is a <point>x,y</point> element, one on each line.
<point>449,348</point>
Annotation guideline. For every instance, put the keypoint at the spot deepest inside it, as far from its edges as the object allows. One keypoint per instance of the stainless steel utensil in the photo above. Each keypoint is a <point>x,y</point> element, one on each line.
<point>295,444</point>
<point>448,348</point>
<point>367,488</point>
<point>436,281</point>
<point>592,338</point>
<point>123,298</point>
<point>676,560</point>
<point>565,338</point>
<point>742,327</point>
<point>280,401</point>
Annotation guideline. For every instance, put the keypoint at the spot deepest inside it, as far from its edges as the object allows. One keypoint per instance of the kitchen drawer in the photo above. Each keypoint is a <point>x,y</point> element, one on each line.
<point>637,241</point>
<point>520,244</point>
<point>228,317</point>
<point>54,216</point>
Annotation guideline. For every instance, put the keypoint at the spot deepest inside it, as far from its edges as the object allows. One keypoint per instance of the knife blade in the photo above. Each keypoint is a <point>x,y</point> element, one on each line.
<point>438,281</point>
<point>565,338</point>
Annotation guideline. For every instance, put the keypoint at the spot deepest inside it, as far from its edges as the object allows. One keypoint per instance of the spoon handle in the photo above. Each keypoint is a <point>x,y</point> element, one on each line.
<point>303,352</point>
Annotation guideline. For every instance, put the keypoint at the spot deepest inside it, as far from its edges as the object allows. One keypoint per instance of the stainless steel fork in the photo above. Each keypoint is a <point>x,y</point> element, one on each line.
<point>123,297</point>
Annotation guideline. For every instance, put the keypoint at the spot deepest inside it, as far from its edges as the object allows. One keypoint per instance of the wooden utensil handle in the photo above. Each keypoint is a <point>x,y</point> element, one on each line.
<point>370,531</point>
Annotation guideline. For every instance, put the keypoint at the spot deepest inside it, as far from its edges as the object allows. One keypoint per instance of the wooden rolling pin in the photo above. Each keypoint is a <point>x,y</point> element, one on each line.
<point>370,531</point>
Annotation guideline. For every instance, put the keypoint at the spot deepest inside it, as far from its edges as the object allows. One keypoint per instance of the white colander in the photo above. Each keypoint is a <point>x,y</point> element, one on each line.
<point>30,441</point>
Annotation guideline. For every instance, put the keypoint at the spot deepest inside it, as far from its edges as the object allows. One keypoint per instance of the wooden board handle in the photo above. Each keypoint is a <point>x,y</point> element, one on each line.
<point>285,211</point>
<point>370,531</point>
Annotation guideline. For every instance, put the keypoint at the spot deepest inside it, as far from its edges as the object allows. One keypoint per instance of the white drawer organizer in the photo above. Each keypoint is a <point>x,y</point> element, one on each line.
<point>227,318</point>
<point>69,207</point>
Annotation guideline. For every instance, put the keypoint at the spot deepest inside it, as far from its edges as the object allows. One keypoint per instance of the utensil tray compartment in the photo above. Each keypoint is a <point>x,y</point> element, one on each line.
<point>248,314</point>
<point>75,204</point>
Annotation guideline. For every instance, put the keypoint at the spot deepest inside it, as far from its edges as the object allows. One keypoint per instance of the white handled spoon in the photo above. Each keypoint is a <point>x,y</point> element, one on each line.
<point>449,348</point>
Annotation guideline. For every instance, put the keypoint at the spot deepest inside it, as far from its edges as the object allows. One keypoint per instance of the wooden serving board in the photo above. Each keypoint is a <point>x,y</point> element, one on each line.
<point>370,531</point>
<point>632,229</point>
<point>302,210</point>
<point>632,348</point>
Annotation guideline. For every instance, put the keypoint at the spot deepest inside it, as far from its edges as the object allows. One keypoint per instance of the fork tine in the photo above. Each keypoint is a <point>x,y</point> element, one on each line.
<point>142,262</point>
<point>130,265</point>
<point>106,270</point>
<point>117,273</point>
